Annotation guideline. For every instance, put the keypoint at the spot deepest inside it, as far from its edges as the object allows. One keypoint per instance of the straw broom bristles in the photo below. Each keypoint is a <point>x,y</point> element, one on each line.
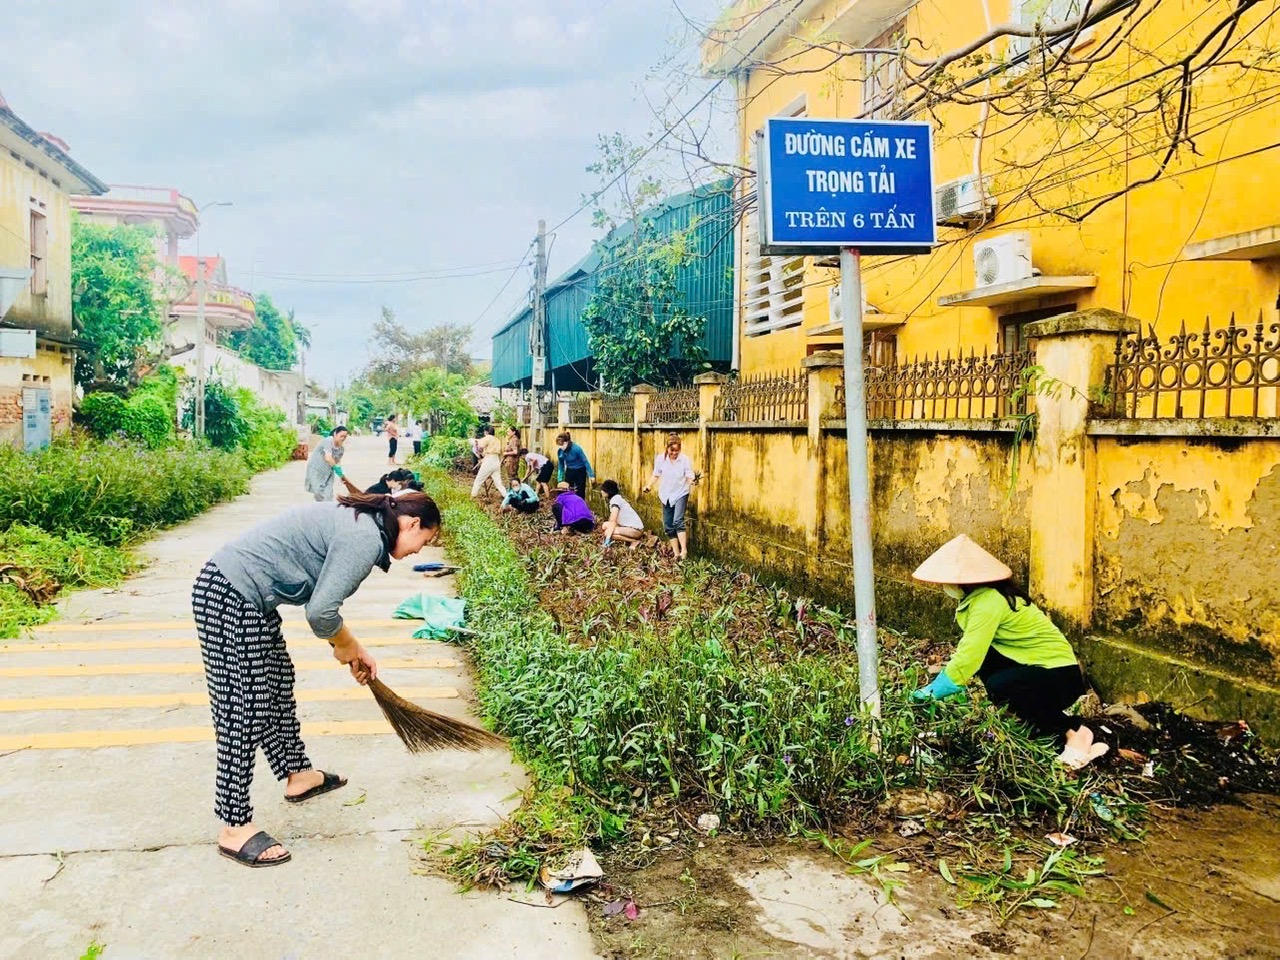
<point>421,729</point>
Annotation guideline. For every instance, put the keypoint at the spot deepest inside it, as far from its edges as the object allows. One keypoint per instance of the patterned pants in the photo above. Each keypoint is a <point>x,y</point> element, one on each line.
<point>250,679</point>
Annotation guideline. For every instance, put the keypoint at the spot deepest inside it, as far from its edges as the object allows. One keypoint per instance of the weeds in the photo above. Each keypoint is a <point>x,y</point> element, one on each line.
<point>627,685</point>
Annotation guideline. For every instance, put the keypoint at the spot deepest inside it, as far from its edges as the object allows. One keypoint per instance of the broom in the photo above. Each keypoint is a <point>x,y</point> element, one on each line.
<point>421,730</point>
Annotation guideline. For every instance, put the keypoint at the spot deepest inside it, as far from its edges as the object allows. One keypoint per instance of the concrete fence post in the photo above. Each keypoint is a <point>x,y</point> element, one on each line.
<point>641,394</point>
<point>1072,351</point>
<point>826,369</point>
<point>709,386</point>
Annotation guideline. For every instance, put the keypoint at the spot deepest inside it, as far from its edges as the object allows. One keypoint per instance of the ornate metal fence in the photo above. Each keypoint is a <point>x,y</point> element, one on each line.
<point>1231,372</point>
<point>621,409</point>
<point>677,405</point>
<point>767,398</point>
<point>580,410</point>
<point>976,387</point>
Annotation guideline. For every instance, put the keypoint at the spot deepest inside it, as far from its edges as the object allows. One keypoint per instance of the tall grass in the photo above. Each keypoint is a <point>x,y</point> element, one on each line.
<point>693,714</point>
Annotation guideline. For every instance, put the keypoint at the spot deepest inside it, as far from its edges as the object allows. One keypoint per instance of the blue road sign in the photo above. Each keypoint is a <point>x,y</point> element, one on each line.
<point>827,184</point>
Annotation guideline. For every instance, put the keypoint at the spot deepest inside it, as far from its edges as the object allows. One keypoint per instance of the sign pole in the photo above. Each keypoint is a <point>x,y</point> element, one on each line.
<point>855,402</point>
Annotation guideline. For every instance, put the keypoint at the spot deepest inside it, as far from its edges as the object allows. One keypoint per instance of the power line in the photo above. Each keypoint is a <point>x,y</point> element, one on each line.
<point>418,278</point>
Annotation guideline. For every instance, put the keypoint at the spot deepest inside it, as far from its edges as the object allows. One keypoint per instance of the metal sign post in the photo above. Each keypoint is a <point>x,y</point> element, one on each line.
<point>853,187</point>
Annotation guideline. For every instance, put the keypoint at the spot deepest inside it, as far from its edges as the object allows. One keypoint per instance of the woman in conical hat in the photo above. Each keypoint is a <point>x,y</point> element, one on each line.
<point>1022,659</point>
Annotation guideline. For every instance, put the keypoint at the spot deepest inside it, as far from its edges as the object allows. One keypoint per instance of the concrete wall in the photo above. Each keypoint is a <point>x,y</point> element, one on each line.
<point>1187,548</point>
<point>275,388</point>
<point>1153,543</point>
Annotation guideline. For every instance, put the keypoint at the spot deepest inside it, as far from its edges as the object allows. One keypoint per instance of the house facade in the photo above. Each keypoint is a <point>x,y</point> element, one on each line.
<point>1073,171</point>
<point>175,218</point>
<point>37,340</point>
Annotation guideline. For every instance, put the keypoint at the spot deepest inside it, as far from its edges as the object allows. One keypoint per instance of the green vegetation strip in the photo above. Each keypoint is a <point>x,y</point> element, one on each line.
<point>707,699</point>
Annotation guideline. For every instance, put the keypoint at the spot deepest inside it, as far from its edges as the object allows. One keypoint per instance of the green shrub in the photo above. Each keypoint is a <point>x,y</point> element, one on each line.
<point>320,425</point>
<point>114,490</point>
<point>268,439</point>
<point>146,418</point>
<point>103,414</point>
<point>447,453</point>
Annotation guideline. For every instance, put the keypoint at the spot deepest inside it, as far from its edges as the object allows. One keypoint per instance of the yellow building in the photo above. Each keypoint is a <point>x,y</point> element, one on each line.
<point>37,344</point>
<point>1126,162</point>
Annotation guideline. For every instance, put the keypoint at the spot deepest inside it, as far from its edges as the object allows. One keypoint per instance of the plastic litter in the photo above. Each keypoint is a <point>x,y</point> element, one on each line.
<point>580,870</point>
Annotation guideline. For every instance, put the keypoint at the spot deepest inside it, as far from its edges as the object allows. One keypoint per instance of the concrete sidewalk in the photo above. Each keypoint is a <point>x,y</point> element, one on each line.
<point>106,780</point>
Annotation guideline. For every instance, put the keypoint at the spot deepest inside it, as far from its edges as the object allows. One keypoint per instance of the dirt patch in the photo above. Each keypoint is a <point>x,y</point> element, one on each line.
<point>1203,883</point>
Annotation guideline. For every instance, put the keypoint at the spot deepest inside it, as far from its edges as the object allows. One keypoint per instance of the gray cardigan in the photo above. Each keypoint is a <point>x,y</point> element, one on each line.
<point>316,555</point>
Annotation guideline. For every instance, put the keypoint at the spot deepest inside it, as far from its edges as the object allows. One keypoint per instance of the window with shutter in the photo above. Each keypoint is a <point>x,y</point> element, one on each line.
<point>1042,13</point>
<point>882,74</point>
<point>772,287</point>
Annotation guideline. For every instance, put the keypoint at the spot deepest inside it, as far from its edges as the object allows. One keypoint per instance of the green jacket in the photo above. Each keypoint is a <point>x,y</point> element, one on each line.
<point>1025,635</point>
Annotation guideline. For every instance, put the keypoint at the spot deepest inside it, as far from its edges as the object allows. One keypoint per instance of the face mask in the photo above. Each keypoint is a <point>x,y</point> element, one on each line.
<point>953,591</point>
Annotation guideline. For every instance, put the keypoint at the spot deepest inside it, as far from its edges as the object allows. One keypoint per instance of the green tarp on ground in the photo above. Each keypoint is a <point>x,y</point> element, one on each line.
<point>441,614</point>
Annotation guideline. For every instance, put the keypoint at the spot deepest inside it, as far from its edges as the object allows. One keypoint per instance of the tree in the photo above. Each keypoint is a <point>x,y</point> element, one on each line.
<point>638,328</point>
<point>448,346</point>
<point>113,302</point>
<point>397,354</point>
<point>271,342</point>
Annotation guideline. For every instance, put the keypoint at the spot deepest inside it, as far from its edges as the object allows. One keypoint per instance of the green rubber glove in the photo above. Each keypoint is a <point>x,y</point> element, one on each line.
<point>941,688</point>
<point>337,471</point>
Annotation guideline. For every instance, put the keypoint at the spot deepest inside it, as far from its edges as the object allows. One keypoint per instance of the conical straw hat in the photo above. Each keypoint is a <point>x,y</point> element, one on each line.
<point>961,561</point>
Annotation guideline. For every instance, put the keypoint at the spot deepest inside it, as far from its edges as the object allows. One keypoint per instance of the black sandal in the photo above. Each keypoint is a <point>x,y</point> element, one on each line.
<point>251,853</point>
<point>331,782</point>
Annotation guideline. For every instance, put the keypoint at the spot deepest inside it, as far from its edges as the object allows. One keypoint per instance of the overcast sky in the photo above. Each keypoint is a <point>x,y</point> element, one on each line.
<point>354,137</point>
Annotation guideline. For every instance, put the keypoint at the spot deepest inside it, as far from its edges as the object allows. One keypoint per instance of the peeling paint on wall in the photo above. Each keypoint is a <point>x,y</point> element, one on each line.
<point>1188,550</point>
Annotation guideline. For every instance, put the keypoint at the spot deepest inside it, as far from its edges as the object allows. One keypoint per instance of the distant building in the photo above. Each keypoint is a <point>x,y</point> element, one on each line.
<point>37,344</point>
<point>705,284</point>
<point>227,308</point>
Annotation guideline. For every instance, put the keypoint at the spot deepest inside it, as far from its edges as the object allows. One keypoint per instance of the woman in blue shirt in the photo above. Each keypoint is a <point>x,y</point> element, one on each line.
<point>575,468</point>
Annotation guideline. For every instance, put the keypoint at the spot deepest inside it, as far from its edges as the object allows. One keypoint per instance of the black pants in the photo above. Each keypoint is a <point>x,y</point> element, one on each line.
<point>1035,695</point>
<point>250,679</point>
<point>417,448</point>
<point>576,477</point>
<point>391,448</point>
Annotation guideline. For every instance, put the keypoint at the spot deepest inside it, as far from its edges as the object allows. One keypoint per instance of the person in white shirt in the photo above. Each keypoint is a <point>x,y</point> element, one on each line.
<point>623,523</point>
<point>674,477</point>
<point>541,468</point>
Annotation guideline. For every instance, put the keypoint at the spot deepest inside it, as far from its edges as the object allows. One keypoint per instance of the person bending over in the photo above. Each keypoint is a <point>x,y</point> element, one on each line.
<point>1023,660</point>
<point>571,512</point>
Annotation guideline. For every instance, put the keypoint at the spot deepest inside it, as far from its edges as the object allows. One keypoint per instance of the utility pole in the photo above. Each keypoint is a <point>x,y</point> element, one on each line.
<point>538,334</point>
<point>201,332</point>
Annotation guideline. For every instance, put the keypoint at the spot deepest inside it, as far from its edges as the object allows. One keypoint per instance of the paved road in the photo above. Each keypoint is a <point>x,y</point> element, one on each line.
<point>106,776</point>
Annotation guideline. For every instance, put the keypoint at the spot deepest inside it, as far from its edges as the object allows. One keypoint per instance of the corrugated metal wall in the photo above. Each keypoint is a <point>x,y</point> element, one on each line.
<point>706,285</point>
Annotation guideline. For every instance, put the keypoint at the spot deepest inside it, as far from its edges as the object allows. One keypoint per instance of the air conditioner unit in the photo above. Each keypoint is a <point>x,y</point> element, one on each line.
<point>959,203</point>
<point>834,313</point>
<point>1003,259</point>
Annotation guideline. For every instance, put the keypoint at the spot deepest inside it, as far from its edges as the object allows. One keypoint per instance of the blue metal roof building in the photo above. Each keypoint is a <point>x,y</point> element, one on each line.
<point>706,286</point>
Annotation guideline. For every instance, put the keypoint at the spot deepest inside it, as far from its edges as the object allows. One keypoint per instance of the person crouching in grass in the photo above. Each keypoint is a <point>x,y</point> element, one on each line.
<point>571,511</point>
<point>623,522</point>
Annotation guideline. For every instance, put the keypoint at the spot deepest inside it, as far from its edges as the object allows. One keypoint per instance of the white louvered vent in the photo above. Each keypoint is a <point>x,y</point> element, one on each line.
<point>773,287</point>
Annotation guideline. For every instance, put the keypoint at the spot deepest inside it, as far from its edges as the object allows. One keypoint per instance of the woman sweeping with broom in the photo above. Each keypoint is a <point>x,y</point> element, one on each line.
<point>315,556</point>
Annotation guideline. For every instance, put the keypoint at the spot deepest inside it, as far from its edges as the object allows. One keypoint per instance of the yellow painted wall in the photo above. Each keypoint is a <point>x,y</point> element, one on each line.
<point>1187,548</point>
<point>18,184</point>
<point>1133,245</point>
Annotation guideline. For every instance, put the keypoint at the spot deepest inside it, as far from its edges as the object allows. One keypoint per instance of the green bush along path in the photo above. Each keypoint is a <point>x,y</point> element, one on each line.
<point>106,777</point>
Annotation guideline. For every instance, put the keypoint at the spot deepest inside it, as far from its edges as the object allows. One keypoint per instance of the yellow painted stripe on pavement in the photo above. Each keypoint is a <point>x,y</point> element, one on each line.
<point>93,739</point>
<point>195,698</point>
<point>174,643</point>
<point>127,669</point>
<point>124,626</point>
